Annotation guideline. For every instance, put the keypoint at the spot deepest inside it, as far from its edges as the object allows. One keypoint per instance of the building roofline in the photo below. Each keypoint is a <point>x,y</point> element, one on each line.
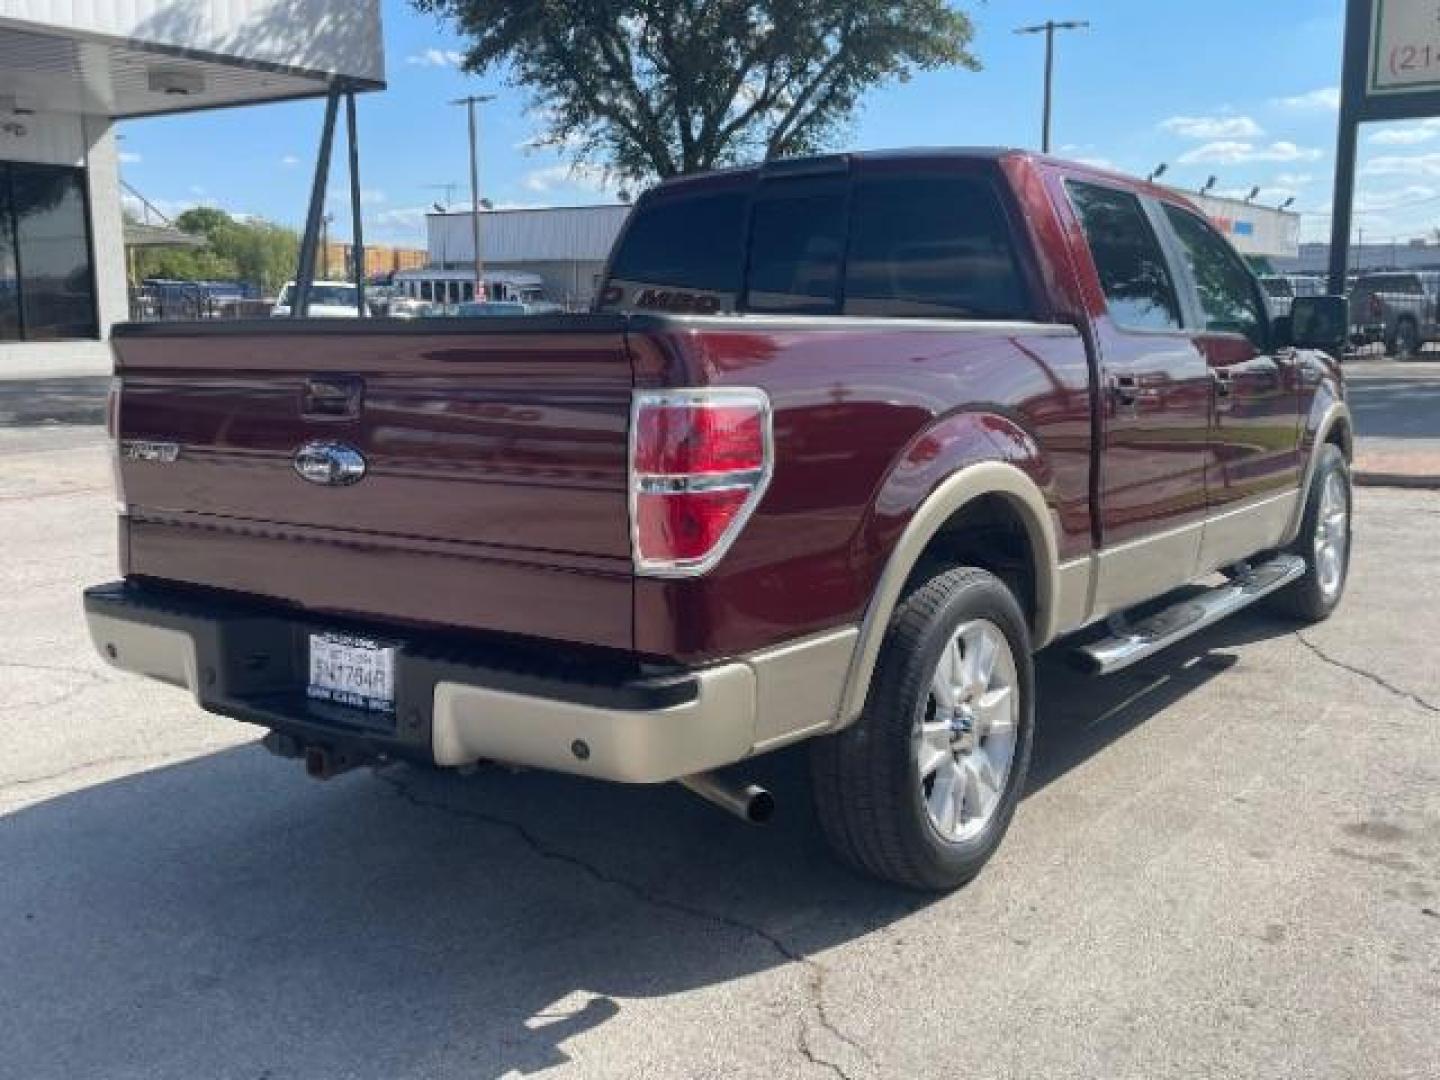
<point>530,209</point>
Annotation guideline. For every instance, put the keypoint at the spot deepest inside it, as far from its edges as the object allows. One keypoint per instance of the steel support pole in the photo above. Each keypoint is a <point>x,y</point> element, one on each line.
<point>475,204</point>
<point>305,274</point>
<point>1049,77</point>
<point>1352,96</point>
<point>357,227</point>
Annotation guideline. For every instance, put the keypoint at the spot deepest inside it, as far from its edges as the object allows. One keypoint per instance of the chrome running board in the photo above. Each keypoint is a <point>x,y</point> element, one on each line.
<point>1133,642</point>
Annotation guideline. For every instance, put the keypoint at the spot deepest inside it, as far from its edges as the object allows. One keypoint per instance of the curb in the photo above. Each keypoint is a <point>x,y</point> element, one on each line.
<point>1414,481</point>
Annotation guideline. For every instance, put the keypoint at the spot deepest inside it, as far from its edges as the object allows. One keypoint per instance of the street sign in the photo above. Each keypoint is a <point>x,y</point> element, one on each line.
<point>1391,71</point>
<point>1405,47</point>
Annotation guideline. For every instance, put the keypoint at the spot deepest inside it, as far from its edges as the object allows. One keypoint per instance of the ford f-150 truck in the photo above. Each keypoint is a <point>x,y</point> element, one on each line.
<point>845,441</point>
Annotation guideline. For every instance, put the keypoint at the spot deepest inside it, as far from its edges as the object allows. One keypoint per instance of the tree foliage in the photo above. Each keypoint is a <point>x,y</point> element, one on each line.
<point>660,87</point>
<point>252,250</point>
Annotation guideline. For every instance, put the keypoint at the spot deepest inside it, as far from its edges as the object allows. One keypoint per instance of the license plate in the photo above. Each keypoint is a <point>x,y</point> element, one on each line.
<point>352,671</point>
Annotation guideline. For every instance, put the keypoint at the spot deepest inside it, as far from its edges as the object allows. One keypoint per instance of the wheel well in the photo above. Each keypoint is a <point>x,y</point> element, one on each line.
<point>987,532</point>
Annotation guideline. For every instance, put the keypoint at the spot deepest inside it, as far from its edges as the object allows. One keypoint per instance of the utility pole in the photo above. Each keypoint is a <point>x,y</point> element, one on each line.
<point>1048,28</point>
<point>470,103</point>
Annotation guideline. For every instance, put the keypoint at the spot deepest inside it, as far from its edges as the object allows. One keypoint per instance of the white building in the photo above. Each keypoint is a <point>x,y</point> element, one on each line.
<point>565,245</point>
<point>68,70</point>
<point>1253,229</point>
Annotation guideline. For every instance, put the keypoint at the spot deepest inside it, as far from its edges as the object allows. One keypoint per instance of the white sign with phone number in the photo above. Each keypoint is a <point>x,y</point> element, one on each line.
<point>1405,46</point>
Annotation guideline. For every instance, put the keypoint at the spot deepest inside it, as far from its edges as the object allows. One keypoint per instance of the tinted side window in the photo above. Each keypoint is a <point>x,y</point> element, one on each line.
<point>1137,283</point>
<point>930,245</point>
<point>797,240</point>
<point>684,241</point>
<point>1227,291</point>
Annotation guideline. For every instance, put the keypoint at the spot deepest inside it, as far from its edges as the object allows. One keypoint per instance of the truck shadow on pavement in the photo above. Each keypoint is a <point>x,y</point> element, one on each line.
<point>225,916</point>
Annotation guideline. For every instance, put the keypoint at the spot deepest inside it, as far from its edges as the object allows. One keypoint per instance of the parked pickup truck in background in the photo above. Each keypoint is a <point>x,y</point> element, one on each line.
<point>847,441</point>
<point>1398,309</point>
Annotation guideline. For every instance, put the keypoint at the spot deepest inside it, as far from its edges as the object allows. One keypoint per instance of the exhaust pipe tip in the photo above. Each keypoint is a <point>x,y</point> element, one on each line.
<point>761,807</point>
<point>748,802</point>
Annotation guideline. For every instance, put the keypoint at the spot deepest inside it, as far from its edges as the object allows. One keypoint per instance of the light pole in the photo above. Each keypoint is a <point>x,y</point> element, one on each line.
<point>1048,28</point>
<point>470,103</point>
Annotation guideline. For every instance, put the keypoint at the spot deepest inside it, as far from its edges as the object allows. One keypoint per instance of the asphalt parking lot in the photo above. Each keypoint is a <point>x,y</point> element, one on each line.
<point>1227,864</point>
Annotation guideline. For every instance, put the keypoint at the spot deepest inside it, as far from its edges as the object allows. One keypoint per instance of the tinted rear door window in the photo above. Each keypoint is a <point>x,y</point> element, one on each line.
<point>1138,288</point>
<point>684,241</point>
<point>935,245</point>
<point>797,243</point>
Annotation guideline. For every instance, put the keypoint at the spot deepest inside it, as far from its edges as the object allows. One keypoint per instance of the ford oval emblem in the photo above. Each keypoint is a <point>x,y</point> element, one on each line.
<point>329,463</point>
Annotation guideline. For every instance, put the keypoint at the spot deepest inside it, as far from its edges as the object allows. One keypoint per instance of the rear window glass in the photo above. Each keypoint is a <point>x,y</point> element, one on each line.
<point>1277,287</point>
<point>1138,288</point>
<point>930,245</point>
<point>690,241</point>
<point>797,243</point>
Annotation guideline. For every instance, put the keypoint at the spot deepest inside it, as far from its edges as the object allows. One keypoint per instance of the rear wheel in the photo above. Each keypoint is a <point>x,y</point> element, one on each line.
<point>921,789</point>
<point>1324,541</point>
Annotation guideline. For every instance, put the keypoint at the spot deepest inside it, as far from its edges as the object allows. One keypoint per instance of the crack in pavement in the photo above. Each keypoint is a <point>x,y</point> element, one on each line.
<point>815,972</point>
<point>1370,676</point>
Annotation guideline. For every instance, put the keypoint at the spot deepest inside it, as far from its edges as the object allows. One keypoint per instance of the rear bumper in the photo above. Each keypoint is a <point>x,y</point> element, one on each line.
<point>459,700</point>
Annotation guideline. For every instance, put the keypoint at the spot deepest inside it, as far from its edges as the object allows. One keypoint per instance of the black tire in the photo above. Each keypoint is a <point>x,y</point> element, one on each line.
<point>1307,599</point>
<point>868,792</point>
<point>1406,343</point>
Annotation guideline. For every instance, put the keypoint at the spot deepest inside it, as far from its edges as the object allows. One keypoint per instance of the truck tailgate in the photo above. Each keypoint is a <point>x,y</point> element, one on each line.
<point>494,487</point>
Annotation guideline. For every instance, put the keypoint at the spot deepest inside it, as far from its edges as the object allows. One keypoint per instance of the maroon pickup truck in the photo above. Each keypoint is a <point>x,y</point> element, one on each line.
<point>845,442</point>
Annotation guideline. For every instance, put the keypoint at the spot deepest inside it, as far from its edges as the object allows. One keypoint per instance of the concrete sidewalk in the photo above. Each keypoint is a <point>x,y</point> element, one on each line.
<point>1397,420</point>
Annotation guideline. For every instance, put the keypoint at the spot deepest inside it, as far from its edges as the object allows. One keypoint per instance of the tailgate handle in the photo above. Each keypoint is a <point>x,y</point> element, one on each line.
<point>333,397</point>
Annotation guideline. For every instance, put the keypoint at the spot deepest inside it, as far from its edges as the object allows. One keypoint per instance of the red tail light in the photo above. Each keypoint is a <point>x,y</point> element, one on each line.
<point>699,464</point>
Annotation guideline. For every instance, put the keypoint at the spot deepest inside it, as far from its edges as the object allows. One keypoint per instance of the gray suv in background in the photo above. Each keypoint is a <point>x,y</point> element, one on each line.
<point>1397,308</point>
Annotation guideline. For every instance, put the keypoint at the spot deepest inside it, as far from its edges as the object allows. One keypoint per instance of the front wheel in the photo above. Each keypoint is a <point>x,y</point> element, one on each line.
<point>921,789</point>
<point>1324,541</point>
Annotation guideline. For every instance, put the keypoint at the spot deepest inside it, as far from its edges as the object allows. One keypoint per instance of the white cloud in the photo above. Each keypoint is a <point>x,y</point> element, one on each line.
<point>289,161</point>
<point>1407,135</point>
<point>1293,179</point>
<point>1390,200</point>
<point>1212,127</point>
<point>410,217</point>
<point>129,157</point>
<point>436,58</point>
<point>1403,165</point>
<point>1235,152</point>
<point>368,196</point>
<point>580,175</point>
<point>1327,98</point>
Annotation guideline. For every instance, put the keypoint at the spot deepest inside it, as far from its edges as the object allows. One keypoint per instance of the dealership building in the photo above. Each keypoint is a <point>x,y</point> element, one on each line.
<point>68,72</point>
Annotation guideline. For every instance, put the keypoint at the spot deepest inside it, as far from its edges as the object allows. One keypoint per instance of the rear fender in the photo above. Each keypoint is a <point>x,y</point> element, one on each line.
<point>958,460</point>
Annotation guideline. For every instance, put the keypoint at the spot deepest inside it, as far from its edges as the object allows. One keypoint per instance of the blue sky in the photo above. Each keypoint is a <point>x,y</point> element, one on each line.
<point>1241,90</point>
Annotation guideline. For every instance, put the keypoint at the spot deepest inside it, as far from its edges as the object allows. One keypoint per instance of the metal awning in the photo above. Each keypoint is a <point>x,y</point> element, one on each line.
<point>43,70</point>
<point>140,235</point>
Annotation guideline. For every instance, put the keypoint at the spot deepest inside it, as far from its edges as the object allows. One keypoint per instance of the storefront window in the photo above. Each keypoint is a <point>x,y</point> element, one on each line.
<point>47,282</point>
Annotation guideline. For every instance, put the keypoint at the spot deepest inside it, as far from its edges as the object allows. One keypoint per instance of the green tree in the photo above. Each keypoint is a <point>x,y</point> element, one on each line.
<point>652,88</point>
<point>252,250</point>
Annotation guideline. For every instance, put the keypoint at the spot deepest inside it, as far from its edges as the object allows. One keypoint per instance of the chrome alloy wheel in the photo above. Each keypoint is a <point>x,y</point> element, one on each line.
<point>1332,534</point>
<point>964,740</point>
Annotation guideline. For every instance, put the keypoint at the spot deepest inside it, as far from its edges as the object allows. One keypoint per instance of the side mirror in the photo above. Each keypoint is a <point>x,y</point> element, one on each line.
<point>1320,322</point>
